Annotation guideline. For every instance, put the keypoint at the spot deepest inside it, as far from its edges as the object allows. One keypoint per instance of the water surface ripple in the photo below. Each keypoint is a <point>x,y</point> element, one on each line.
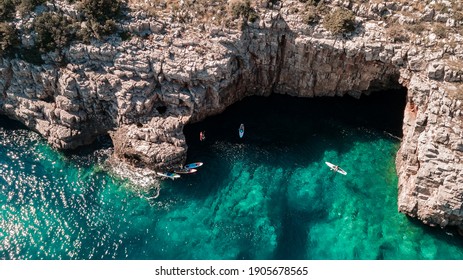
<point>266,196</point>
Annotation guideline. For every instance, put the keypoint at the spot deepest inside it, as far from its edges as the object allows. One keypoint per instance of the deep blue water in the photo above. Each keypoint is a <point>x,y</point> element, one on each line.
<point>266,196</point>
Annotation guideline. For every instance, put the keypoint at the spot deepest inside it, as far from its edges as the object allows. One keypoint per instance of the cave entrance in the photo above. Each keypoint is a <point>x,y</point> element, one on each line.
<point>283,116</point>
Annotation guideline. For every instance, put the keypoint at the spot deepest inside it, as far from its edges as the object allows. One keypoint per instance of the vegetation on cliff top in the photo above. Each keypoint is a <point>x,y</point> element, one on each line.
<point>100,16</point>
<point>339,21</point>
<point>8,7</point>
<point>244,10</point>
<point>9,37</point>
<point>53,28</point>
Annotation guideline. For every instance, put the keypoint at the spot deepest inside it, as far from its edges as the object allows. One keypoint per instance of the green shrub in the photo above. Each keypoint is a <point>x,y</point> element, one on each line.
<point>93,29</point>
<point>100,15</point>
<point>8,37</point>
<point>53,31</point>
<point>125,35</point>
<point>106,28</point>
<point>100,10</point>
<point>85,33</point>
<point>6,9</point>
<point>26,6</point>
<point>244,10</point>
<point>31,55</point>
<point>340,21</point>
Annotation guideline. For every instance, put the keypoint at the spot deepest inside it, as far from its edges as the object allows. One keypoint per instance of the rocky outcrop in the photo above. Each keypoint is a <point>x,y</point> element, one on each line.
<point>157,144</point>
<point>142,91</point>
<point>429,162</point>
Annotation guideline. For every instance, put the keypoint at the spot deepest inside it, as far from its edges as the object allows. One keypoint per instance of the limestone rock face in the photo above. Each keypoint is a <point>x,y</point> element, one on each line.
<point>143,90</point>
<point>158,144</point>
<point>429,161</point>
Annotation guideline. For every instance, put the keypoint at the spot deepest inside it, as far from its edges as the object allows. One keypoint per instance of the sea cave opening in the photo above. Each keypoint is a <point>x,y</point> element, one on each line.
<point>285,116</point>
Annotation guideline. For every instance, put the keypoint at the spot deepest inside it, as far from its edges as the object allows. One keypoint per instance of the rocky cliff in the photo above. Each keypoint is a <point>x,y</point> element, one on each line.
<point>142,91</point>
<point>429,160</point>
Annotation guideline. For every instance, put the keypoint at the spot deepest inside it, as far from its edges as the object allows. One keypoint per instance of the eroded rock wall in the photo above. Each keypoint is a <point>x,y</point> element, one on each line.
<point>430,159</point>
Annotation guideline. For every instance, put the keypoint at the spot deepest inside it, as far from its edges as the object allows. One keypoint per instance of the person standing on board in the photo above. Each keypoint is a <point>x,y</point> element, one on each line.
<point>241,130</point>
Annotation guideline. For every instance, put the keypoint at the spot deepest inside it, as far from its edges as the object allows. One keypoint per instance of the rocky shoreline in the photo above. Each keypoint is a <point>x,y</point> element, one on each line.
<point>144,89</point>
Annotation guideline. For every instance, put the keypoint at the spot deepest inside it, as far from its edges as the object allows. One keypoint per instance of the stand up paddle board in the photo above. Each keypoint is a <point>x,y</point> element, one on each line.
<point>193,165</point>
<point>186,171</point>
<point>169,175</point>
<point>336,168</point>
<point>241,130</point>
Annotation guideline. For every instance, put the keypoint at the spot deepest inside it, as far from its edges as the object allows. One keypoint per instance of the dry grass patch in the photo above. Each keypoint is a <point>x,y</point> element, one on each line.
<point>397,33</point>
<point>187,11</point>
<point>454,90</point>
<point>416,28</point>
<point>454,64</point>
<point>440,30</point>
<point>441,7</point>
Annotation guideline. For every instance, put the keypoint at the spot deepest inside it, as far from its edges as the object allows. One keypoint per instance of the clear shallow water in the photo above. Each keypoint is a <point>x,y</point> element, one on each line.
<point>266,196</point>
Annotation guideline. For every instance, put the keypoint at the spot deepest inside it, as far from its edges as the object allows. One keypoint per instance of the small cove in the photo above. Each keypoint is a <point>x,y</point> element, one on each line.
<point>266,196</point>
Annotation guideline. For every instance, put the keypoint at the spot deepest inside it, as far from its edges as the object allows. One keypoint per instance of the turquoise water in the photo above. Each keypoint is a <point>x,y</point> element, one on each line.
<point>266,196</point>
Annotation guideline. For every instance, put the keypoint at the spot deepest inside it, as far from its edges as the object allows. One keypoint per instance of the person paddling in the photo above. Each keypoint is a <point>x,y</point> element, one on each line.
<point>202,136</point>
